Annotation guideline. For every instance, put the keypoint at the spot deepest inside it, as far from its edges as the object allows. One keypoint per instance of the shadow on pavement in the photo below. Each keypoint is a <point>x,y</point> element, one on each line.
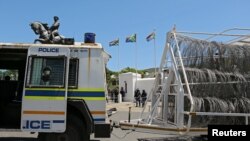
<point>17,139</point>
<point>23,139</point>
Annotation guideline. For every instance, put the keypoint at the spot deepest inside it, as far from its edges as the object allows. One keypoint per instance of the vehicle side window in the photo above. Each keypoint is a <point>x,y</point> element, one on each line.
<point>46,72</point>
<point>73,73</point>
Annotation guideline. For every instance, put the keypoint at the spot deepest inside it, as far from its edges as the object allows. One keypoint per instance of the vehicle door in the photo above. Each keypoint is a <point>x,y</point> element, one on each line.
<point>45,91</point>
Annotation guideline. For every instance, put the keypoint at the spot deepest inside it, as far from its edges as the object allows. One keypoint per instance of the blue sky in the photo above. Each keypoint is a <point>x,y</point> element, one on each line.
<point>111,19</point>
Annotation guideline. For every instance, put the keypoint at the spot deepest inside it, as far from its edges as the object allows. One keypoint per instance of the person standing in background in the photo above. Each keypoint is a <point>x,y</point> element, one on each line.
<point>143,97</point>
<point>137,97</point>
<point>116,92</point>
<point>122,92</point>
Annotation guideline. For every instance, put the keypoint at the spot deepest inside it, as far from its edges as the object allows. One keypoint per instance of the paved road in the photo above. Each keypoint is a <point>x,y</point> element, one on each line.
<point>117,134</point>
<point>122,114</point>
<point>127,135</point>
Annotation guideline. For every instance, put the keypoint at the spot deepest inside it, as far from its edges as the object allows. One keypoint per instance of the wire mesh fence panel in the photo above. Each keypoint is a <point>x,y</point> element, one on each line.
<point>218,76</point>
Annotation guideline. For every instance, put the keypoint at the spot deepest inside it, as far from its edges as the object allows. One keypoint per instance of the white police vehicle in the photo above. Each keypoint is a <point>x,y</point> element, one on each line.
<point>58,90</point>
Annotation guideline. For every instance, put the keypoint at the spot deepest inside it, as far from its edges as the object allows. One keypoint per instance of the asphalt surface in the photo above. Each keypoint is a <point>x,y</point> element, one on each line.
<point>117,134</point>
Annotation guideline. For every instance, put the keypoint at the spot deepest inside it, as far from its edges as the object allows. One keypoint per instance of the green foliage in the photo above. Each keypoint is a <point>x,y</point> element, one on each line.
<point>112,79</point>
<point>128,69</point>
<point>12,73</point>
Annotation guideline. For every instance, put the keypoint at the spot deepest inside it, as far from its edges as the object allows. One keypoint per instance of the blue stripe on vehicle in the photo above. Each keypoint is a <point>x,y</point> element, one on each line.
<point>44,93</point>
<point>99,119</point>
<point>58,121</point>
<point>86,94</point>
<point>62,93</point>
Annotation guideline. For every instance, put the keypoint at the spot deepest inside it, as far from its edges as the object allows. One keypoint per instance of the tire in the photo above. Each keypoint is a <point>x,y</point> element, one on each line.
<point>75,131</point>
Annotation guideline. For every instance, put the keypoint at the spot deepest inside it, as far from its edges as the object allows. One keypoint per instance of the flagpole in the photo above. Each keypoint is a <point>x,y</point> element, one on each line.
<point>154,54</point>
<point>116,43</point>
<point>118,60</point>
<point>136,62</point>
<point>133,39</point>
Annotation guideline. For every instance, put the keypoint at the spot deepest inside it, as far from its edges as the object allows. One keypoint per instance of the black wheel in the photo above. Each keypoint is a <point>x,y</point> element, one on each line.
<point>75,131</point>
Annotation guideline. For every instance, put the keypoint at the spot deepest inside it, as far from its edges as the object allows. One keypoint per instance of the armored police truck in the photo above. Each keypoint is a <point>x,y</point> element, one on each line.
<point>58,90</point>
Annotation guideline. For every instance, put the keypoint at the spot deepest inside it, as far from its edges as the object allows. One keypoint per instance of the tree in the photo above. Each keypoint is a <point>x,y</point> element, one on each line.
<point>113,77</point>
<point>128,69</point>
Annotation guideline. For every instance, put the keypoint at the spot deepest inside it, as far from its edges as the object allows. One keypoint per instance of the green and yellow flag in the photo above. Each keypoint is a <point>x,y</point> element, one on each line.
<point>131,39</point>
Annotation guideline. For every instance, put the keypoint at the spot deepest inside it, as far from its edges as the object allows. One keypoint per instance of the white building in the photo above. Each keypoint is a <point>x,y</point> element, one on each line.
<point>130,82</point>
